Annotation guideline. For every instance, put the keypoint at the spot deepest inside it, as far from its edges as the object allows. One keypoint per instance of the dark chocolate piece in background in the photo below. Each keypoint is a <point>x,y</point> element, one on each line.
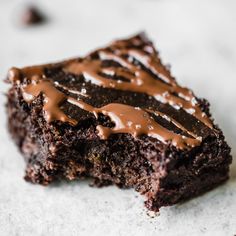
<point>32,15</point>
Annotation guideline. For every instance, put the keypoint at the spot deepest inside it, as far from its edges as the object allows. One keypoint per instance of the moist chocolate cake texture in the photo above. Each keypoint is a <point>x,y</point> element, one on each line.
<point>118,116</point>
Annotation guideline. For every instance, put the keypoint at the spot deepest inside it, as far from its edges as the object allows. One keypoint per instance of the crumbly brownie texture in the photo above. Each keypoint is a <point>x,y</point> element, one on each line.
<point>118,116</point>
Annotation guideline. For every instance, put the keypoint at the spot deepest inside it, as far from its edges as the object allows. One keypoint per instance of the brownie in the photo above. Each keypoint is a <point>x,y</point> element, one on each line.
<point>118,116</point>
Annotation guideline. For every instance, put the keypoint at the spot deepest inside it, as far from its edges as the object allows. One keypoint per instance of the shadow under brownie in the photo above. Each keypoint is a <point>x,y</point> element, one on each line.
<point>118,116</point>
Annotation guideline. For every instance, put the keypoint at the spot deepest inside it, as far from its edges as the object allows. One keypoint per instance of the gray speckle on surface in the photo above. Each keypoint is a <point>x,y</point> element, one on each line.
<point>197,37</point>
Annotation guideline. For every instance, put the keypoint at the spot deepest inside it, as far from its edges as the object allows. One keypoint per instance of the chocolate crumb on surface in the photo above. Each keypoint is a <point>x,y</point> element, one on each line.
<point>32,16</point>
<point>120,117</point>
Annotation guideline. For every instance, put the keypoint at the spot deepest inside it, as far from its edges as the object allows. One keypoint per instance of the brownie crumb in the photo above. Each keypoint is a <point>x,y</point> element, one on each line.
<point>32,16</point>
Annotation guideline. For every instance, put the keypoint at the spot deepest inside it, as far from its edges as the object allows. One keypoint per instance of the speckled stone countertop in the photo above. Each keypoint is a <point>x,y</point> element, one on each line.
<point>198,38</point>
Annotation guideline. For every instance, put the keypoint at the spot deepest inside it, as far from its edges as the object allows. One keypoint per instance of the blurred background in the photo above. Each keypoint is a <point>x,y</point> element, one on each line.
<point>198,39</point>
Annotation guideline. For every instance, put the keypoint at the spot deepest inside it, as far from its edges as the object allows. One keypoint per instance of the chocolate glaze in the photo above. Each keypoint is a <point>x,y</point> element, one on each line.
<point>135,121</point>
<point>139,80</point>
<point>52,99</point>
<point>138,70</point>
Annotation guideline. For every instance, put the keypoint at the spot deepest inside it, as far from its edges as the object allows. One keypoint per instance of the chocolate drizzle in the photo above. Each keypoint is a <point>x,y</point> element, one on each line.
<point>52,99</point>
<point>166,91</point>
<point>136,61</point>
<point>135,121</point>
<point>127,119</point>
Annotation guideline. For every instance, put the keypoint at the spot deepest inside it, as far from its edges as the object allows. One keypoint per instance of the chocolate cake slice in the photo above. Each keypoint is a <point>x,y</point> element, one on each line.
<point>118,116</point>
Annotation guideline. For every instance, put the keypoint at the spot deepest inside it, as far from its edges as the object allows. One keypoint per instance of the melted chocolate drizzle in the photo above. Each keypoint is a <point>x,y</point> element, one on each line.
<point>147,76</point>
<point>139,80</point>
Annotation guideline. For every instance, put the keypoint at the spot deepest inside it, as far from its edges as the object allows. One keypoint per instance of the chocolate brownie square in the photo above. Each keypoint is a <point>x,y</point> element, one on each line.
<point>118,116</point>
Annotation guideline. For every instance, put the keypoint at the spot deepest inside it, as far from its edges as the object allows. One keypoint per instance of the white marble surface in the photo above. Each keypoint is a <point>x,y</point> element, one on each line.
<point>198,37</point>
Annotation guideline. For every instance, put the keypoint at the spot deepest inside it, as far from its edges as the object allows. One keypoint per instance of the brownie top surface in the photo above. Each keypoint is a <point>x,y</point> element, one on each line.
<point>126,84</point>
